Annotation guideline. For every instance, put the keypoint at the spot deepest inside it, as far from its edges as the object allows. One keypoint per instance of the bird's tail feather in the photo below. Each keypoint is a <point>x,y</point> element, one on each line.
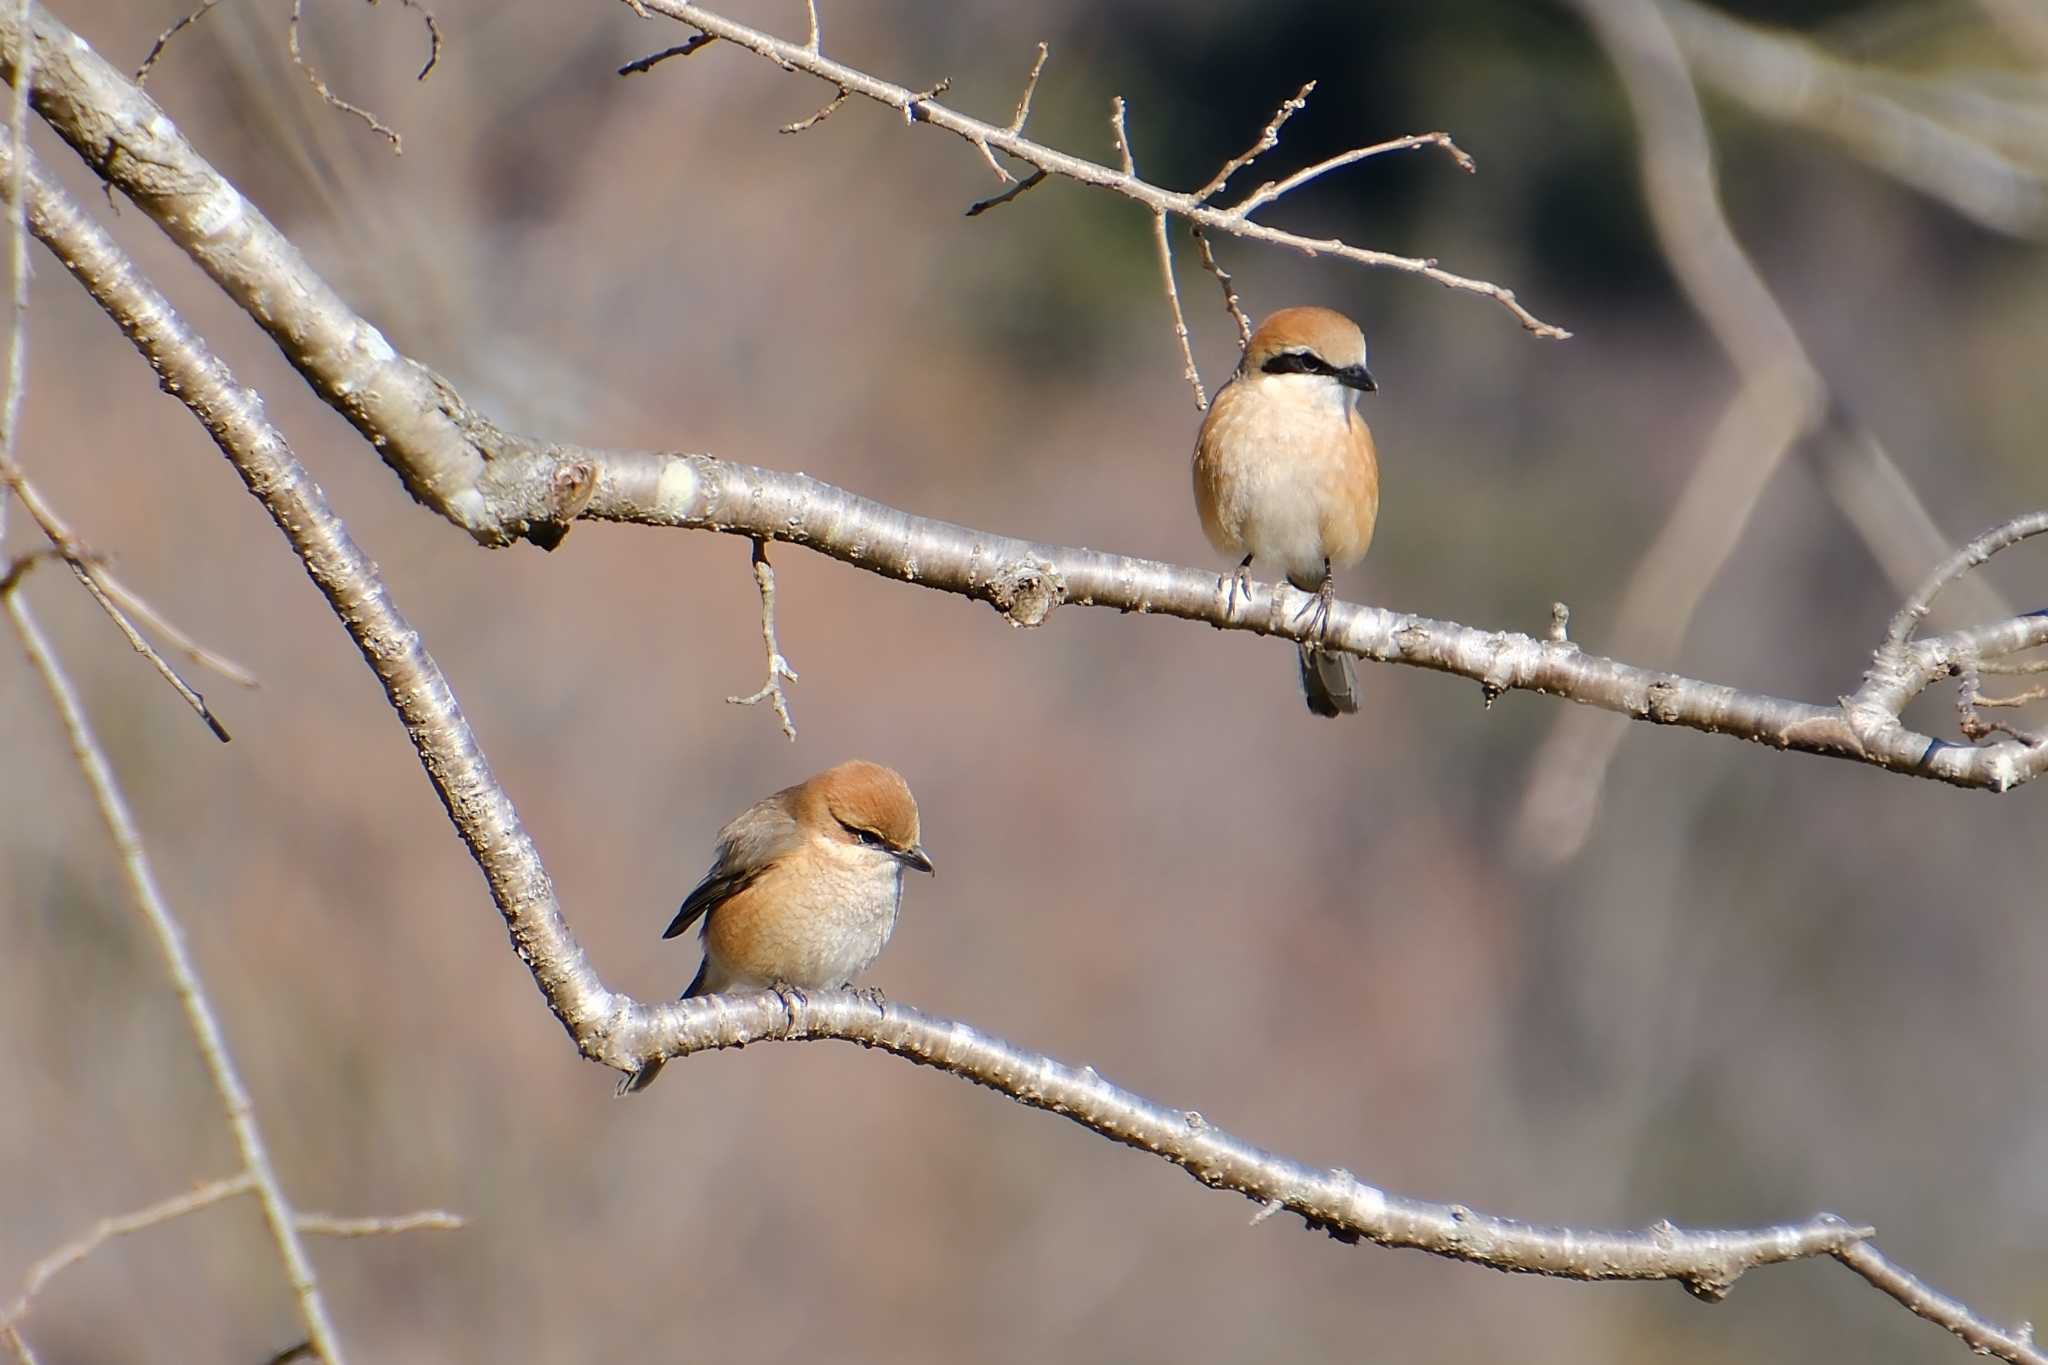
<point>644,1077</point>
<point>1329,681</point>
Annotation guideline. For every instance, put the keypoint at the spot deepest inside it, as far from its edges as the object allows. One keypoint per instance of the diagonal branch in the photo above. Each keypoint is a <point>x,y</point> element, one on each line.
<point>625,1035</point>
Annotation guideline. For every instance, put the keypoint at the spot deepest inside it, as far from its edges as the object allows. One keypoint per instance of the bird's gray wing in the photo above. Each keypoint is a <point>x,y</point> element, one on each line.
<point>746,847</point>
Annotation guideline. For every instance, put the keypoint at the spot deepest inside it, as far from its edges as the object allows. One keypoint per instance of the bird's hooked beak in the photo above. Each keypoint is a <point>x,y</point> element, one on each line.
<point>1355,377</point>
<point>916,857</point>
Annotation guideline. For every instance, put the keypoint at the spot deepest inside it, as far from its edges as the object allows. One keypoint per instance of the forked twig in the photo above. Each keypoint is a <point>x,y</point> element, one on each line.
<point>184,974</point>
<point>989,138</point>
<point>113,596</point>
<point>202,1197</point>
<point>779,670</point>
<point>333,100</point>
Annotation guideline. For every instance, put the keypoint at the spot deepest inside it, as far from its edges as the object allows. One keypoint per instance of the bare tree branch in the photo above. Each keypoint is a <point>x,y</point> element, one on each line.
<point>227,1082</point>
<point>1189,371</point>
<point>625,1035</point>
<point>112,596</point>
<point>1235,220</point>
<point>335,101</point>
<point>501,486</point>
<point>202,1197</point>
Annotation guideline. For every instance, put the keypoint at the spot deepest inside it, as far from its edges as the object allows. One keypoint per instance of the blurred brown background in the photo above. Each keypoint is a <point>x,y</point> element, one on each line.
<point>1768,985</point>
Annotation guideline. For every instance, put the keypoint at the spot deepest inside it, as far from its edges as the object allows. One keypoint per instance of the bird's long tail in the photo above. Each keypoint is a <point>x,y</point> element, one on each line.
<point>1329,681</point>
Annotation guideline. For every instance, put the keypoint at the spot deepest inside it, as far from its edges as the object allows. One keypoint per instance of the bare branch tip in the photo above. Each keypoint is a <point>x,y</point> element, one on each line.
<point>1029,182</point>
<point>815,119</point>
<point>163,39</point>
<point>696,42</point>
<point>1023,112</point>
<point>332,100</point>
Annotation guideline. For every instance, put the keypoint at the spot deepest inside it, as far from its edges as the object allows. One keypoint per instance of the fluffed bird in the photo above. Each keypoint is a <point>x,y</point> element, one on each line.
<point>1285,472</point>
<point>804,887</point>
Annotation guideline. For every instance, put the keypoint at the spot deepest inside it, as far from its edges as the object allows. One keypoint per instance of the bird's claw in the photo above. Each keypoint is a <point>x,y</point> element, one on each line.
<point>1240,582</point>
<point>792,998</point>
<point>872,996</point>
<point>1317,608</point>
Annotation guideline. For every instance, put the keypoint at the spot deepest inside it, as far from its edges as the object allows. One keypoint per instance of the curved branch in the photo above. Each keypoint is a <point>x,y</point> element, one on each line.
<point>624,1034</point>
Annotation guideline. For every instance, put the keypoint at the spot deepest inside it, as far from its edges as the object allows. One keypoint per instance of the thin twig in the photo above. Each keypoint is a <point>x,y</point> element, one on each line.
<point>1189,371</point>
<point>19,1345</point>
<point>918,107</point>
<point>163,39</point>
<point>92,574</point>
<point>1274,189</point>
<point>433,37</point>
<point>1016,124</point>
<point>241,1116</point>
<point>1268,140</point>
<point>107,1229</point>
<point>202,1197</point>
<point>778,667</point>
<point>696,42</point>
<point>1985,1338</point>
<point>141,646</point>
<point>915,101</point>
<point>1224,281</point>
<point>2026,698</point>
<point>423,1220</point>
<point>139,607</point>
<point>811,12</point>
<point>1029,182</point>
<point>17,259</point>
<point>333,100</point>
<point>815,119</point>
<point>1956,565</point>
<point>2013,667</point>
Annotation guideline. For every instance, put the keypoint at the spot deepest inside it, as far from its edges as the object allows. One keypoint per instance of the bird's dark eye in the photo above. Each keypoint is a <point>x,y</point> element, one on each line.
<point>1296,362</point>
<point>865,836</point>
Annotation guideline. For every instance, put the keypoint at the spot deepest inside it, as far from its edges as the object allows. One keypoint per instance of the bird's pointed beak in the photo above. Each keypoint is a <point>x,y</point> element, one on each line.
<point>916,857</point>
<point>1357,377</point>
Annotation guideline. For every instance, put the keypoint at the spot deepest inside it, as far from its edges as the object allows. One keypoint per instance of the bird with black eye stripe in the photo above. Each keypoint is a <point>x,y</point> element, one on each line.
<point>1285,472</point>
<point>804,888</point>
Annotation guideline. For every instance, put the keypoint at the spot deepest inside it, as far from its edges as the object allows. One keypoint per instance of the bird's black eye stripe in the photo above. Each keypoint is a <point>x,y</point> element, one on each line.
<point>1297,362</point>
<point>865,836</point>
